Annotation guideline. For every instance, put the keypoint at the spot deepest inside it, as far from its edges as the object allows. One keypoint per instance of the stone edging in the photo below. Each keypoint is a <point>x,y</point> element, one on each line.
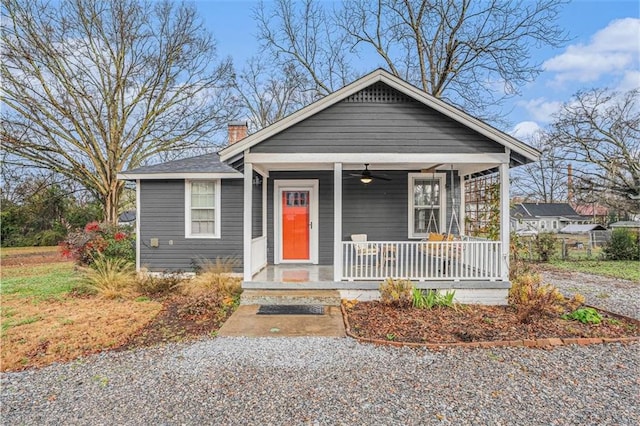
<point>529,343</point>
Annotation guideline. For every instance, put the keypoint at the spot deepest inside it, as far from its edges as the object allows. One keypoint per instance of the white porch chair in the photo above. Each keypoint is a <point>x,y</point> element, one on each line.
<point>364,252</point>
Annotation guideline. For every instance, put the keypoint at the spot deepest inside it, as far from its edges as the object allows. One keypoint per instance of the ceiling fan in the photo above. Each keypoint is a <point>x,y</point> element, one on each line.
<point>366,176</point>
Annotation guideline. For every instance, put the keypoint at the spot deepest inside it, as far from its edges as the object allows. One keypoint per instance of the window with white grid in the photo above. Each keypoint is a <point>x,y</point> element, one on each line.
<point>202,208</point>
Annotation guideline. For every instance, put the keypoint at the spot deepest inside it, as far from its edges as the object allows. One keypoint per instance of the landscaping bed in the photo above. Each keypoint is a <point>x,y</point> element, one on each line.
<point>181,318</point>
<point>473,323</point>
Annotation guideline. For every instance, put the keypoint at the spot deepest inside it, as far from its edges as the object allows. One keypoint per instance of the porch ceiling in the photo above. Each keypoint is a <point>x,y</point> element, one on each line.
<point>463,169</point>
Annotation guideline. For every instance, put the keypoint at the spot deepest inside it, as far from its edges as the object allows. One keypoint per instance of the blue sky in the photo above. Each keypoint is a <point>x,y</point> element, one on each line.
<point>604,52</point>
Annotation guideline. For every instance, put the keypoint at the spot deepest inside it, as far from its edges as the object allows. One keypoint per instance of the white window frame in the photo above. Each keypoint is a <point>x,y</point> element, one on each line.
<point>441,177</point>
<point>187,209</point>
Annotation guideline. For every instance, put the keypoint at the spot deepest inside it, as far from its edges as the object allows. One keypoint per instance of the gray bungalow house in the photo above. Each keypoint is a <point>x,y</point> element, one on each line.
<point>367,183</point>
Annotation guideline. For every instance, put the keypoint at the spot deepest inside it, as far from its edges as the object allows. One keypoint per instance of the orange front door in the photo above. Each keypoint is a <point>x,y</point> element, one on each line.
<point>295,225</point>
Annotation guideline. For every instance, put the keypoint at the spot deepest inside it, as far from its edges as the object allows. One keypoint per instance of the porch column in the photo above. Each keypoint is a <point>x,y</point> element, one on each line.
<point>463,209</point>
<point>337,221</point>
<point>504,216</point>
<point>246,229</point>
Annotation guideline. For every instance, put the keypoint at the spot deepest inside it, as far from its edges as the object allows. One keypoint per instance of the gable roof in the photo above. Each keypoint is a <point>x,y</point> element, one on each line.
<point>526,152</point>
<point>201,166</point>
<point>534,210</point>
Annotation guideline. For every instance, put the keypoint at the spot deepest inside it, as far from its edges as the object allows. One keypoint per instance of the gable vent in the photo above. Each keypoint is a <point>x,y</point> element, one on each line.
<point>379,93</point>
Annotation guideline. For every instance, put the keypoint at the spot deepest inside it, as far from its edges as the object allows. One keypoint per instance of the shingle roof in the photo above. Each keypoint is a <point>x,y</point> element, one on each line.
<point>207,163</point>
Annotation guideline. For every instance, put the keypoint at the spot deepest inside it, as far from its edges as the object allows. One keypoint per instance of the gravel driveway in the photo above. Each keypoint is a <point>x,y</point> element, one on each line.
<point>611,294</point>
<point>308,380</point>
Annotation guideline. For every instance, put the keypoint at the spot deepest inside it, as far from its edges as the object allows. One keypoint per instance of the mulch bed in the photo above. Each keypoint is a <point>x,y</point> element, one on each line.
<point>182,318</point>
<point>473,323</point>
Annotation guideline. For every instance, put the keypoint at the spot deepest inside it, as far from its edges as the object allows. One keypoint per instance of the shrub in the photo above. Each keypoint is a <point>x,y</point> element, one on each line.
<point>544,245</point>
<point>104,239</point>
<point>534,299</point>
<point>624,245</point>
<point>585,316</point>
<point>109,278</point>
<point>158,285</point>
<point>422,299</point>
<point>517,265</point>
<point>216,278</point>
<point>395,292</point>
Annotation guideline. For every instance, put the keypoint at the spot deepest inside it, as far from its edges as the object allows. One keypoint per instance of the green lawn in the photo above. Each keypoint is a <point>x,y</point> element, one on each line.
<point>625,269</point>
<point>38,281</point>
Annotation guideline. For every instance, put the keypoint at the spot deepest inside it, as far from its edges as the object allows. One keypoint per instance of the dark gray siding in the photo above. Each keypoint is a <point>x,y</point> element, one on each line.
<point>162,216</point>
<point>380,208</point>
<point>407,127</point>
<point>325,212</point>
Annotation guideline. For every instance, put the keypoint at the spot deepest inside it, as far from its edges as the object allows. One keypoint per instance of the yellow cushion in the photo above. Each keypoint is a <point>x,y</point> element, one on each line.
<point>435,237</point>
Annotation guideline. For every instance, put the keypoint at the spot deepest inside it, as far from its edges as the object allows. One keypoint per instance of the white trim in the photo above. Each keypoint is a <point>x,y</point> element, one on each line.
<point>463,207</point>
<point>504,219</point>
<point>337,221</point>
<point>246,221</point>
<point>217,187</point>
<point>180,176</point>
<point>381,158</point>
<point>411,177</point>
<point>312,185</point>
<point>265,184</point>
<point>138,211</point>
<point>400,85</point>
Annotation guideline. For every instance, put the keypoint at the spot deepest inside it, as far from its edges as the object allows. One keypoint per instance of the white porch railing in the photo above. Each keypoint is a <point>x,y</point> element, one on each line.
<point>258,254</point>
<point>422,260</point>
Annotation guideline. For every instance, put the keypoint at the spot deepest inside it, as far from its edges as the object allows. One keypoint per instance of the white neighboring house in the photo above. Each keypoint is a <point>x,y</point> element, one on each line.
<point>533,218</point>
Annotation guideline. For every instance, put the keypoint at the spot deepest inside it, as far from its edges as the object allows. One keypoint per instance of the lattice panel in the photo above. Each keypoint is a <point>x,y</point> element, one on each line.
<point>379,93</point>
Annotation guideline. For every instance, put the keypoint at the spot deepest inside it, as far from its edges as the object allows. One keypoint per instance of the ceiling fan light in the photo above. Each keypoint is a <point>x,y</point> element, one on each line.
<point>366,179</point>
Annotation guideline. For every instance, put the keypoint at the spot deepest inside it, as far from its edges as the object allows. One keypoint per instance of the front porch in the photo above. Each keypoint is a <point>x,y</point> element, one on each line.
<point>398,244</point>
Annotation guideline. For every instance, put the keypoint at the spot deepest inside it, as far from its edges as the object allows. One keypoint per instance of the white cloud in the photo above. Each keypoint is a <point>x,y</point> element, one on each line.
<point>540,109</point>
<point>525,130</point>
<point>613,50</point>
<point>630,81</point>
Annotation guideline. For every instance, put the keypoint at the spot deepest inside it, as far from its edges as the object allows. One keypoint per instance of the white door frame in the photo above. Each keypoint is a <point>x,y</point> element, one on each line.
<point>280,185</point>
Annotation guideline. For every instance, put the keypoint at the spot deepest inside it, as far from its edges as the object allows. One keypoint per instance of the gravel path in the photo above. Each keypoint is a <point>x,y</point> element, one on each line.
<point>611,294</point>
<point>331,381</point>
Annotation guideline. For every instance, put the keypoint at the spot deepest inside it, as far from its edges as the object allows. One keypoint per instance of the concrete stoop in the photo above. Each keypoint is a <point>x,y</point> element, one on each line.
<point>290,297</point>
<point>245,321</point>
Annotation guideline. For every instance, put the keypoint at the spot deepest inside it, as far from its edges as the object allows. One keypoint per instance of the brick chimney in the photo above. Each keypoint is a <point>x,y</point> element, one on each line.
<point>237,131</point>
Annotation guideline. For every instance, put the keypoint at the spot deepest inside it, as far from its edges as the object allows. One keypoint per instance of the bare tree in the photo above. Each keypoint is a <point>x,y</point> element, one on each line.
<point>599,132</point>
<point>91,88</point>
<point>544,180</point>
<point>306,37</point>
<point>472,53</point>
<point>269,92</point>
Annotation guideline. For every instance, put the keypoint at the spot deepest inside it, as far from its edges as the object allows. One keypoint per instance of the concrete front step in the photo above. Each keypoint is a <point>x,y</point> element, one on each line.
<point>290,297</point>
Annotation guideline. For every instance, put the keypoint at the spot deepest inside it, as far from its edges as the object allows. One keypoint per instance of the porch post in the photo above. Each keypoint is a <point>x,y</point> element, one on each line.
<point>246,230</point>
<point>504,216</point>
<point>337,221</point>
<point>463,209</point>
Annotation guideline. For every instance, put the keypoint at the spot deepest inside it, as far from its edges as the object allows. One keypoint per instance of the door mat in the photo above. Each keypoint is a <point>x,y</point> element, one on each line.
<point>291,310</point>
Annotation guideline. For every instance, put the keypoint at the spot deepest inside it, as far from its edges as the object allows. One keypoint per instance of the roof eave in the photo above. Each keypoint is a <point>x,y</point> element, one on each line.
<point>178,175</point>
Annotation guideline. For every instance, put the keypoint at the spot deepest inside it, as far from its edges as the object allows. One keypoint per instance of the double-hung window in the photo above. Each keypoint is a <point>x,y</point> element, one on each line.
<point>202,209</point>
<point>426,204</point>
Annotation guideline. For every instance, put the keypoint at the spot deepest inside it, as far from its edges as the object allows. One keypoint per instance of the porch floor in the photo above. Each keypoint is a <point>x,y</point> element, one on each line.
<point>295,273</point>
